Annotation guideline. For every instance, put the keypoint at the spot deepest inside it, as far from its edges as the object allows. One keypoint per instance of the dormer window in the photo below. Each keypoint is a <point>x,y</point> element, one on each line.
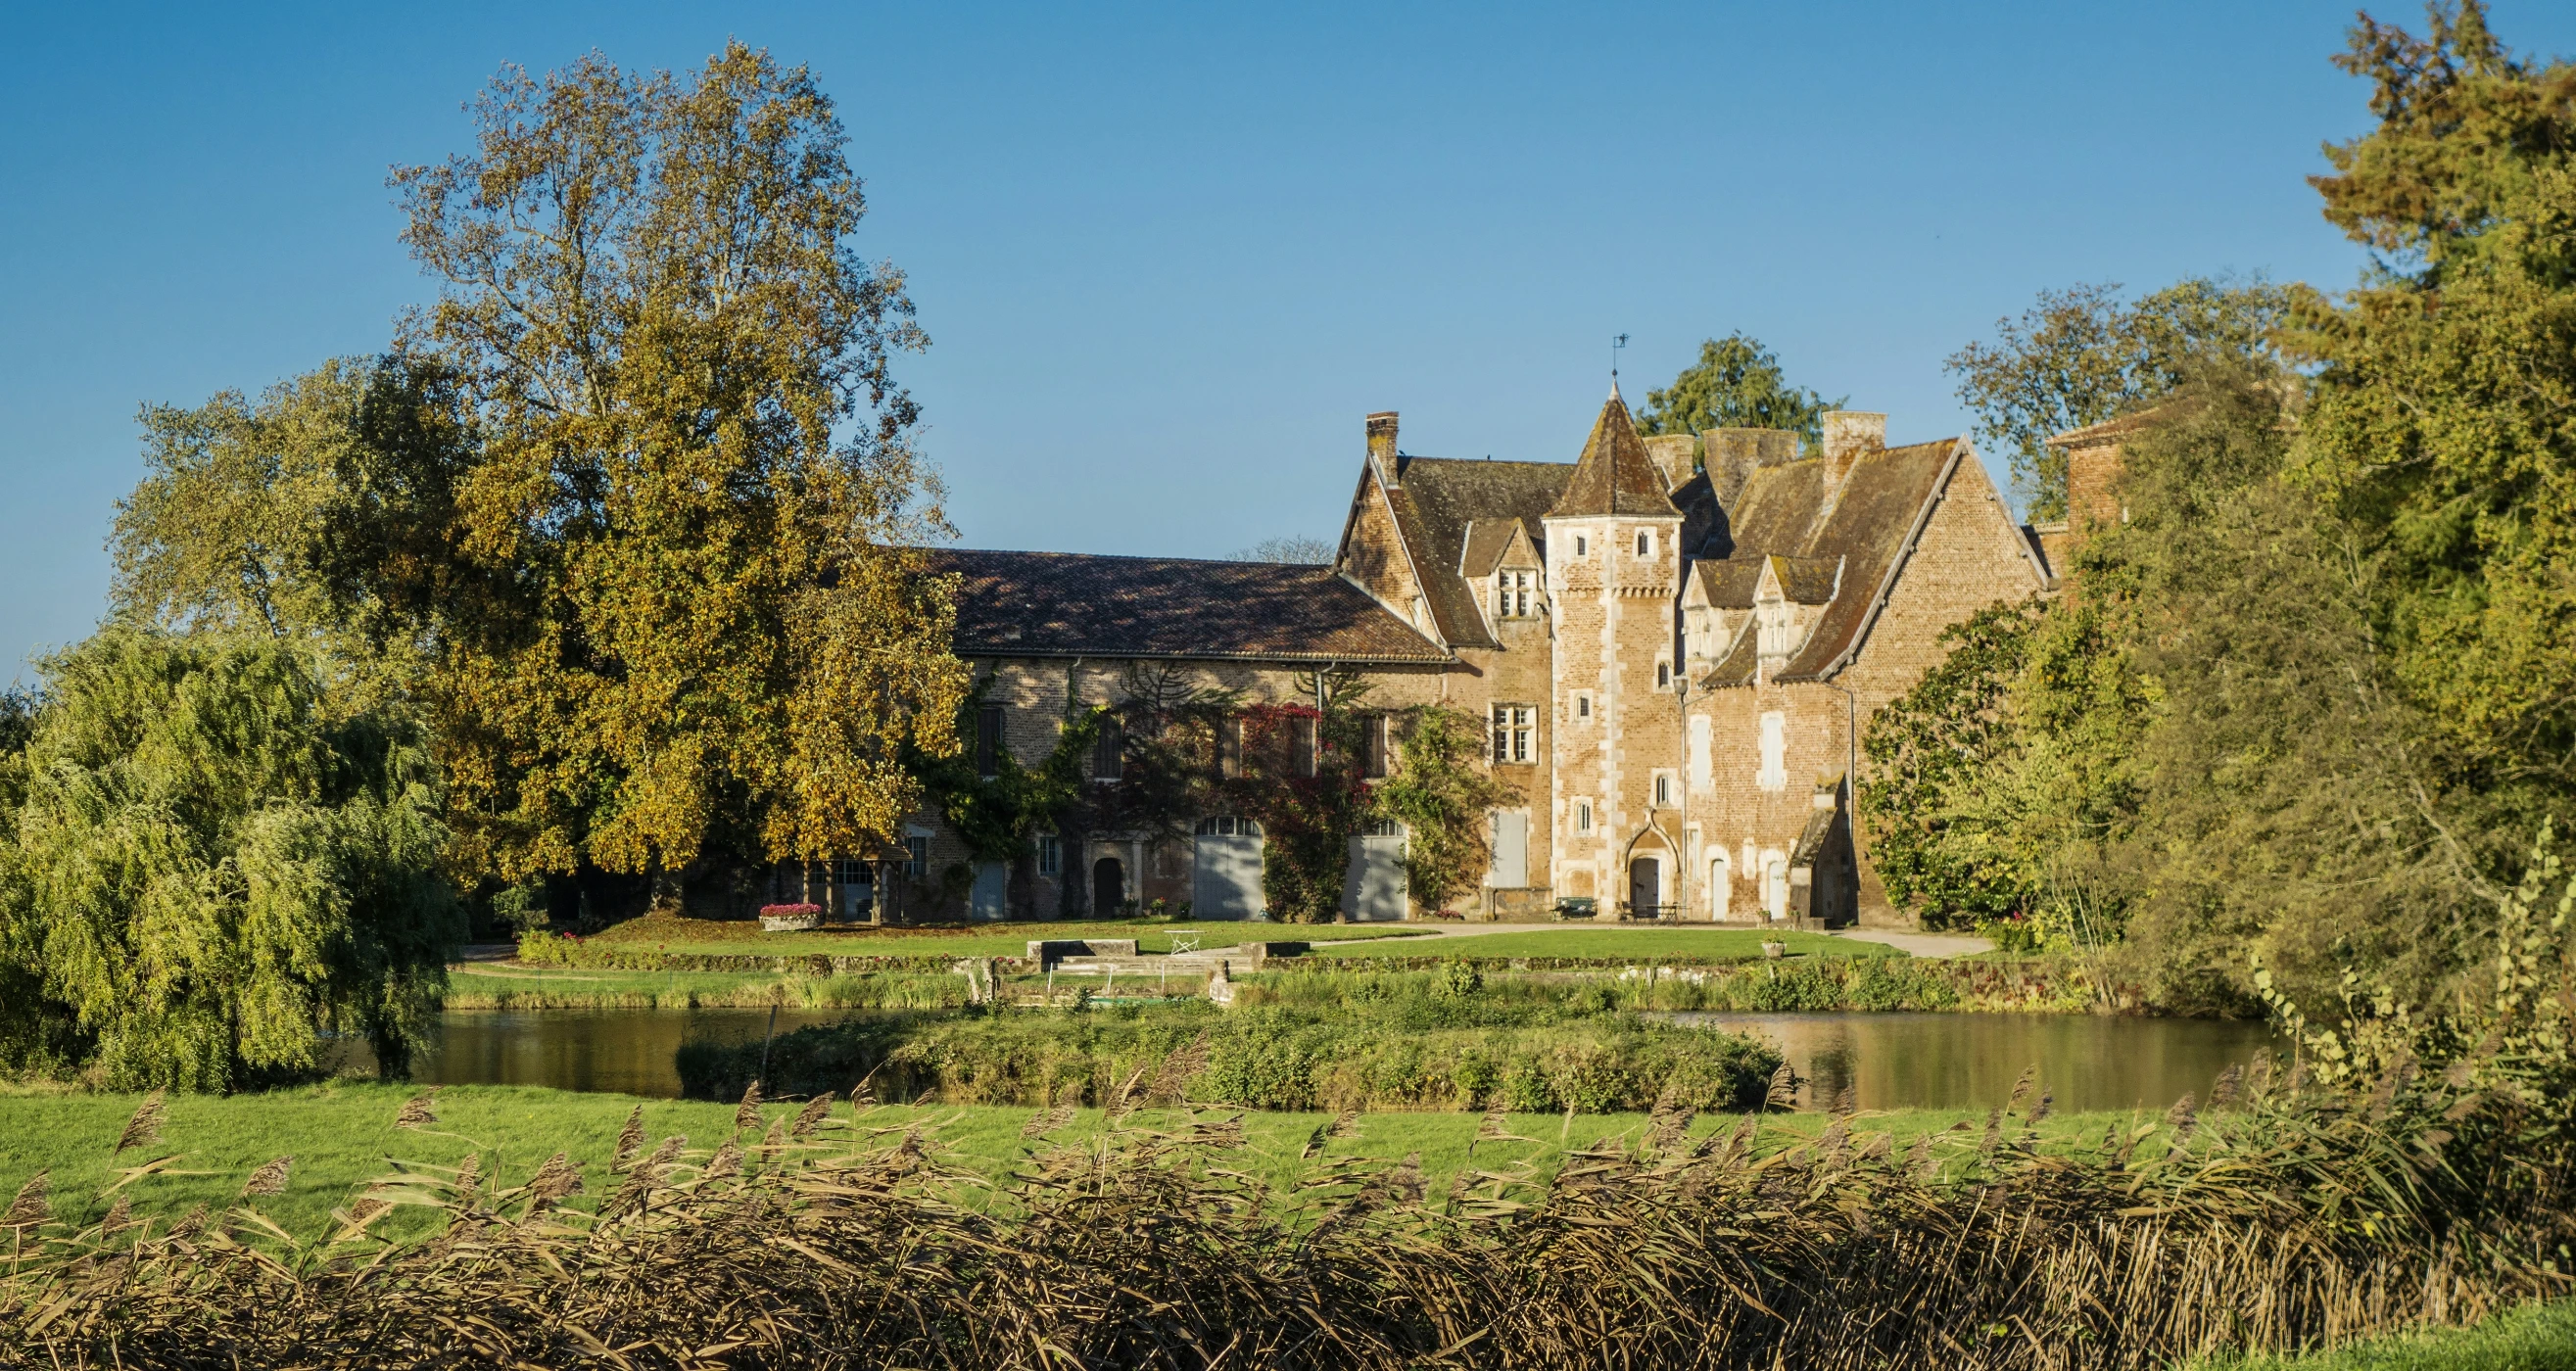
<point>1512,594</point>
<point>1773,630</point>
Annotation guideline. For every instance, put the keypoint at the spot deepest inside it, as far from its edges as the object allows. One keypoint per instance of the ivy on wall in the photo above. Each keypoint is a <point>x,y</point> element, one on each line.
<point>1298,770</point>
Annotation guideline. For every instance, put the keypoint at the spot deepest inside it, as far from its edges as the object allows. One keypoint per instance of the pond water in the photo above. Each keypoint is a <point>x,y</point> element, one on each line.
<point>1891,1061</point>
<point>626,1051</point>
<point>1970,1061</point>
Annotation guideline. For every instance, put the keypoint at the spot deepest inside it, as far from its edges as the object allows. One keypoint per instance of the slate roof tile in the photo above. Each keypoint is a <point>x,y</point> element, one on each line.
<point>1064,604</point>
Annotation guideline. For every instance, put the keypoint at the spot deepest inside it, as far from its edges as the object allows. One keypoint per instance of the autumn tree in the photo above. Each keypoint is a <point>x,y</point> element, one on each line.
<point>320,514</point>
<point>694,621</point>
<point>2086,354</point>
<point>1736,383</point>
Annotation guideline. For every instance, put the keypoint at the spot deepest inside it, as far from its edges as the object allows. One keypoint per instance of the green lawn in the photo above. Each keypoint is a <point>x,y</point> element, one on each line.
<point>1640,944</point>
<point>488,985</point>
<point>2539,1337</point>
<point>711,937</point>
<point>342,1135</point>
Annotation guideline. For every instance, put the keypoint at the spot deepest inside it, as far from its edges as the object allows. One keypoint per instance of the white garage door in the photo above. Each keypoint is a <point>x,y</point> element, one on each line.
<point>1374,888</point>
<point>1225,876</point>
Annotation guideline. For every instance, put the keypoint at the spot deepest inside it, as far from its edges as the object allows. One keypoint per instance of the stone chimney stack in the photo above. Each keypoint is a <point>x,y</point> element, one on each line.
<point>1733,454</point>
<point>1848,434</point>
<point>1672,453</point>
<point>1381,443</point>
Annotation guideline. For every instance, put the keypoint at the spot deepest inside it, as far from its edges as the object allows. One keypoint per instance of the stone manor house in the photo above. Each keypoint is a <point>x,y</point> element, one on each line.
<point>1676,643</point>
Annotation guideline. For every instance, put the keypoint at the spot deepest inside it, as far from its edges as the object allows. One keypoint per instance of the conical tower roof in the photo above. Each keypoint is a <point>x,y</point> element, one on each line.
<point>1615,475</point>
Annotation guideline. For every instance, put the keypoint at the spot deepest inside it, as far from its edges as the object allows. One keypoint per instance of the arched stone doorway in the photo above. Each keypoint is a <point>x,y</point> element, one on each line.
<point>1645,886</point>
<point>1108,887</point>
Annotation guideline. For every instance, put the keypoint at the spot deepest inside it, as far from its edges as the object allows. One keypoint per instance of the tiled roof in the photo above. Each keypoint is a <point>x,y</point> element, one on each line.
<point>1615,475</point>
<point>1436,502</point>
<point>1486,540</point>
<point>1807,580</point>
<point>1794,511</point>
<point>2105,431</point>
<point>1730,583</point>
<point>1063,604</point>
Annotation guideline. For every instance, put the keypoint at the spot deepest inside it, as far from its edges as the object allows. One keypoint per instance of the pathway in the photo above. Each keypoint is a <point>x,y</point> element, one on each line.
<point>1912,944</point>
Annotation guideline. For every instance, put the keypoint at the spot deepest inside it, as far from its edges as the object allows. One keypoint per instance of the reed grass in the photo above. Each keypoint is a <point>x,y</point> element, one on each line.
<point>853,1236</point>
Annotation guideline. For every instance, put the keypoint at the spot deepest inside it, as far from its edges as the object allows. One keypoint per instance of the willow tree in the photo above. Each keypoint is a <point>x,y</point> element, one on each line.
<point>694,462</point>
<point>215,873</point>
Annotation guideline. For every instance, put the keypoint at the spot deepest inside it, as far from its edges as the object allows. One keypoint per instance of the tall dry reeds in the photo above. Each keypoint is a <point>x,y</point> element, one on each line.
<point>2298,1217</point>
<point>2401,1171</point>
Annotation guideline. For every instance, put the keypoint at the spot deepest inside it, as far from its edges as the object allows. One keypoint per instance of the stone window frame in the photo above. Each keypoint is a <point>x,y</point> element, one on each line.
<point>1771,740</point>
<point>1646,544</point>
<point>1514,734</point>
<point>1583,705</point>
<point>1050,850</point>
<point>1665,785</point>
<point>1583,814</point>
<point>1516,593</point>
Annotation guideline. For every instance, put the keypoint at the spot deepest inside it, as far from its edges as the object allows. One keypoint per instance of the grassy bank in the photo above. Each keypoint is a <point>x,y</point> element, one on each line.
<point>713,937</point>
<point>1669,945</point>
<point>343,1135</point>
<point>1819,984</point>
<point>1406,1050</point>
<point>490,985</point>
<point>2540,1337</point>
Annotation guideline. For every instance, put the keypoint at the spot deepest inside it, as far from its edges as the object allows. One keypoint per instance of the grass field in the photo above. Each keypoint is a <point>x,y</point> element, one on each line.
<point>714,937</point>
<point>1643,944</point>
<point>2534,1338</point>
<point>490,985</point>
<point>342,1135</point>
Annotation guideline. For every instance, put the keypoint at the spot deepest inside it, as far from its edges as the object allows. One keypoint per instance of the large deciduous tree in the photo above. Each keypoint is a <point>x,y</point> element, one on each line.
<point>2444,422</point>
<point>692,478</point>
<point>2083,355</point>
<point>214,872</point>
<point>321,514</point>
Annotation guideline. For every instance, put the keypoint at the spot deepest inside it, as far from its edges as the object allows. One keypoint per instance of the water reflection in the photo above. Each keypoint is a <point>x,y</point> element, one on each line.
<point>628,1051</point>
<point>1970,1061</point>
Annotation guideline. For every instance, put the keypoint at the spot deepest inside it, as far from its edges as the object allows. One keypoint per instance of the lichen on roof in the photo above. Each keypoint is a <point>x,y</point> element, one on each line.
<point>1616,476</point>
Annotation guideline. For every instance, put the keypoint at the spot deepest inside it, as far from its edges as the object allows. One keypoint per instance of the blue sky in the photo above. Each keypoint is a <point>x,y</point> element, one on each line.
<point>1169,257</point>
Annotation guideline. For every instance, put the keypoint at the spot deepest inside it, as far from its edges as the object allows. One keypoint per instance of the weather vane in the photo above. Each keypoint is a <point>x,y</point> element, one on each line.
<point>1616,344</point>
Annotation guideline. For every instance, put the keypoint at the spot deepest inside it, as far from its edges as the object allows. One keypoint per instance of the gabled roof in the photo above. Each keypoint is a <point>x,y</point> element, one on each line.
<point>1868,523</point>
<point>1063,604</point>
<point>1490,542</point>
<point>1436,501</point>
<point>1806,580</point>
<point>1615,475</point>
<point>2109,430</point>
<point>1728,584</point>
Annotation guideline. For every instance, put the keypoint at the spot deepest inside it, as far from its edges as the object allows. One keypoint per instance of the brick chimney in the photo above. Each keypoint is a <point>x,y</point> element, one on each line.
<point>1381,446</point>
<point>1673,453</point>
<point>1848,434</point>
